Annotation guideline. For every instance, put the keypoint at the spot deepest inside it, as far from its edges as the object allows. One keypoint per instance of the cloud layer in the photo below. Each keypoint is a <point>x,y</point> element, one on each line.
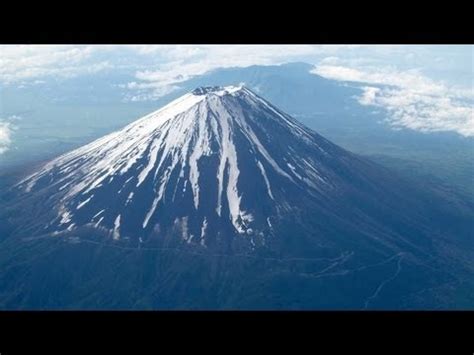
<point>32,62</point>
<point>411,99</point>
<point>151,62</point>
<point>390,75</point>
<point>5,136</point>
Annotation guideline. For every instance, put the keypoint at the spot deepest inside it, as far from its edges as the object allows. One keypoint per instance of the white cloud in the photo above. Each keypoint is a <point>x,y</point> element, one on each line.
<point>32,62</point>
<point>158,68</point>
<point>369,96</point>
<point>7,126</point>
<point>5,136</point>
<point>412,100</point>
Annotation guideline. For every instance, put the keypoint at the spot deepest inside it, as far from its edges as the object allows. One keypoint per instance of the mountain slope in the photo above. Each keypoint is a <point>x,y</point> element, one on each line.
<point>215,159</point>
<point>216,200</point>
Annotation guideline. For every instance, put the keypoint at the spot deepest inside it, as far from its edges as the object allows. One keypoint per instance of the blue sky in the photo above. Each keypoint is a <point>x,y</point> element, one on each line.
<point>426,88</point>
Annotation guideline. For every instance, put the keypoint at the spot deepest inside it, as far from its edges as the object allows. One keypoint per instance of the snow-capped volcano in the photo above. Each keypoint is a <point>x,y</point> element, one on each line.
<point>220,200</point>
<point>217,161</point>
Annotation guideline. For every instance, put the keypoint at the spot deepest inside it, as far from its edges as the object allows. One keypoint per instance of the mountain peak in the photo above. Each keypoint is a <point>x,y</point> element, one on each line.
<point>218,159</point>
<point>216,90</point>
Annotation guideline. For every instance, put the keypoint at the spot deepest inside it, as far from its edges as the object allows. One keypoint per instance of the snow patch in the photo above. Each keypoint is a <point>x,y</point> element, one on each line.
<point>116,232</point>
<point>269,223</point>
<point>267,182</point>
<point>204,228</point>
<point>65,217</point>
<point>99,221</point>
<point>129,198</point>
<point>98,213</point>
<point>84,203</point>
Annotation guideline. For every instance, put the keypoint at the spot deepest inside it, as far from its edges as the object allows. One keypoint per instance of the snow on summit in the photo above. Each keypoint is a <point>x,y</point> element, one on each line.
<point>214,162</point>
